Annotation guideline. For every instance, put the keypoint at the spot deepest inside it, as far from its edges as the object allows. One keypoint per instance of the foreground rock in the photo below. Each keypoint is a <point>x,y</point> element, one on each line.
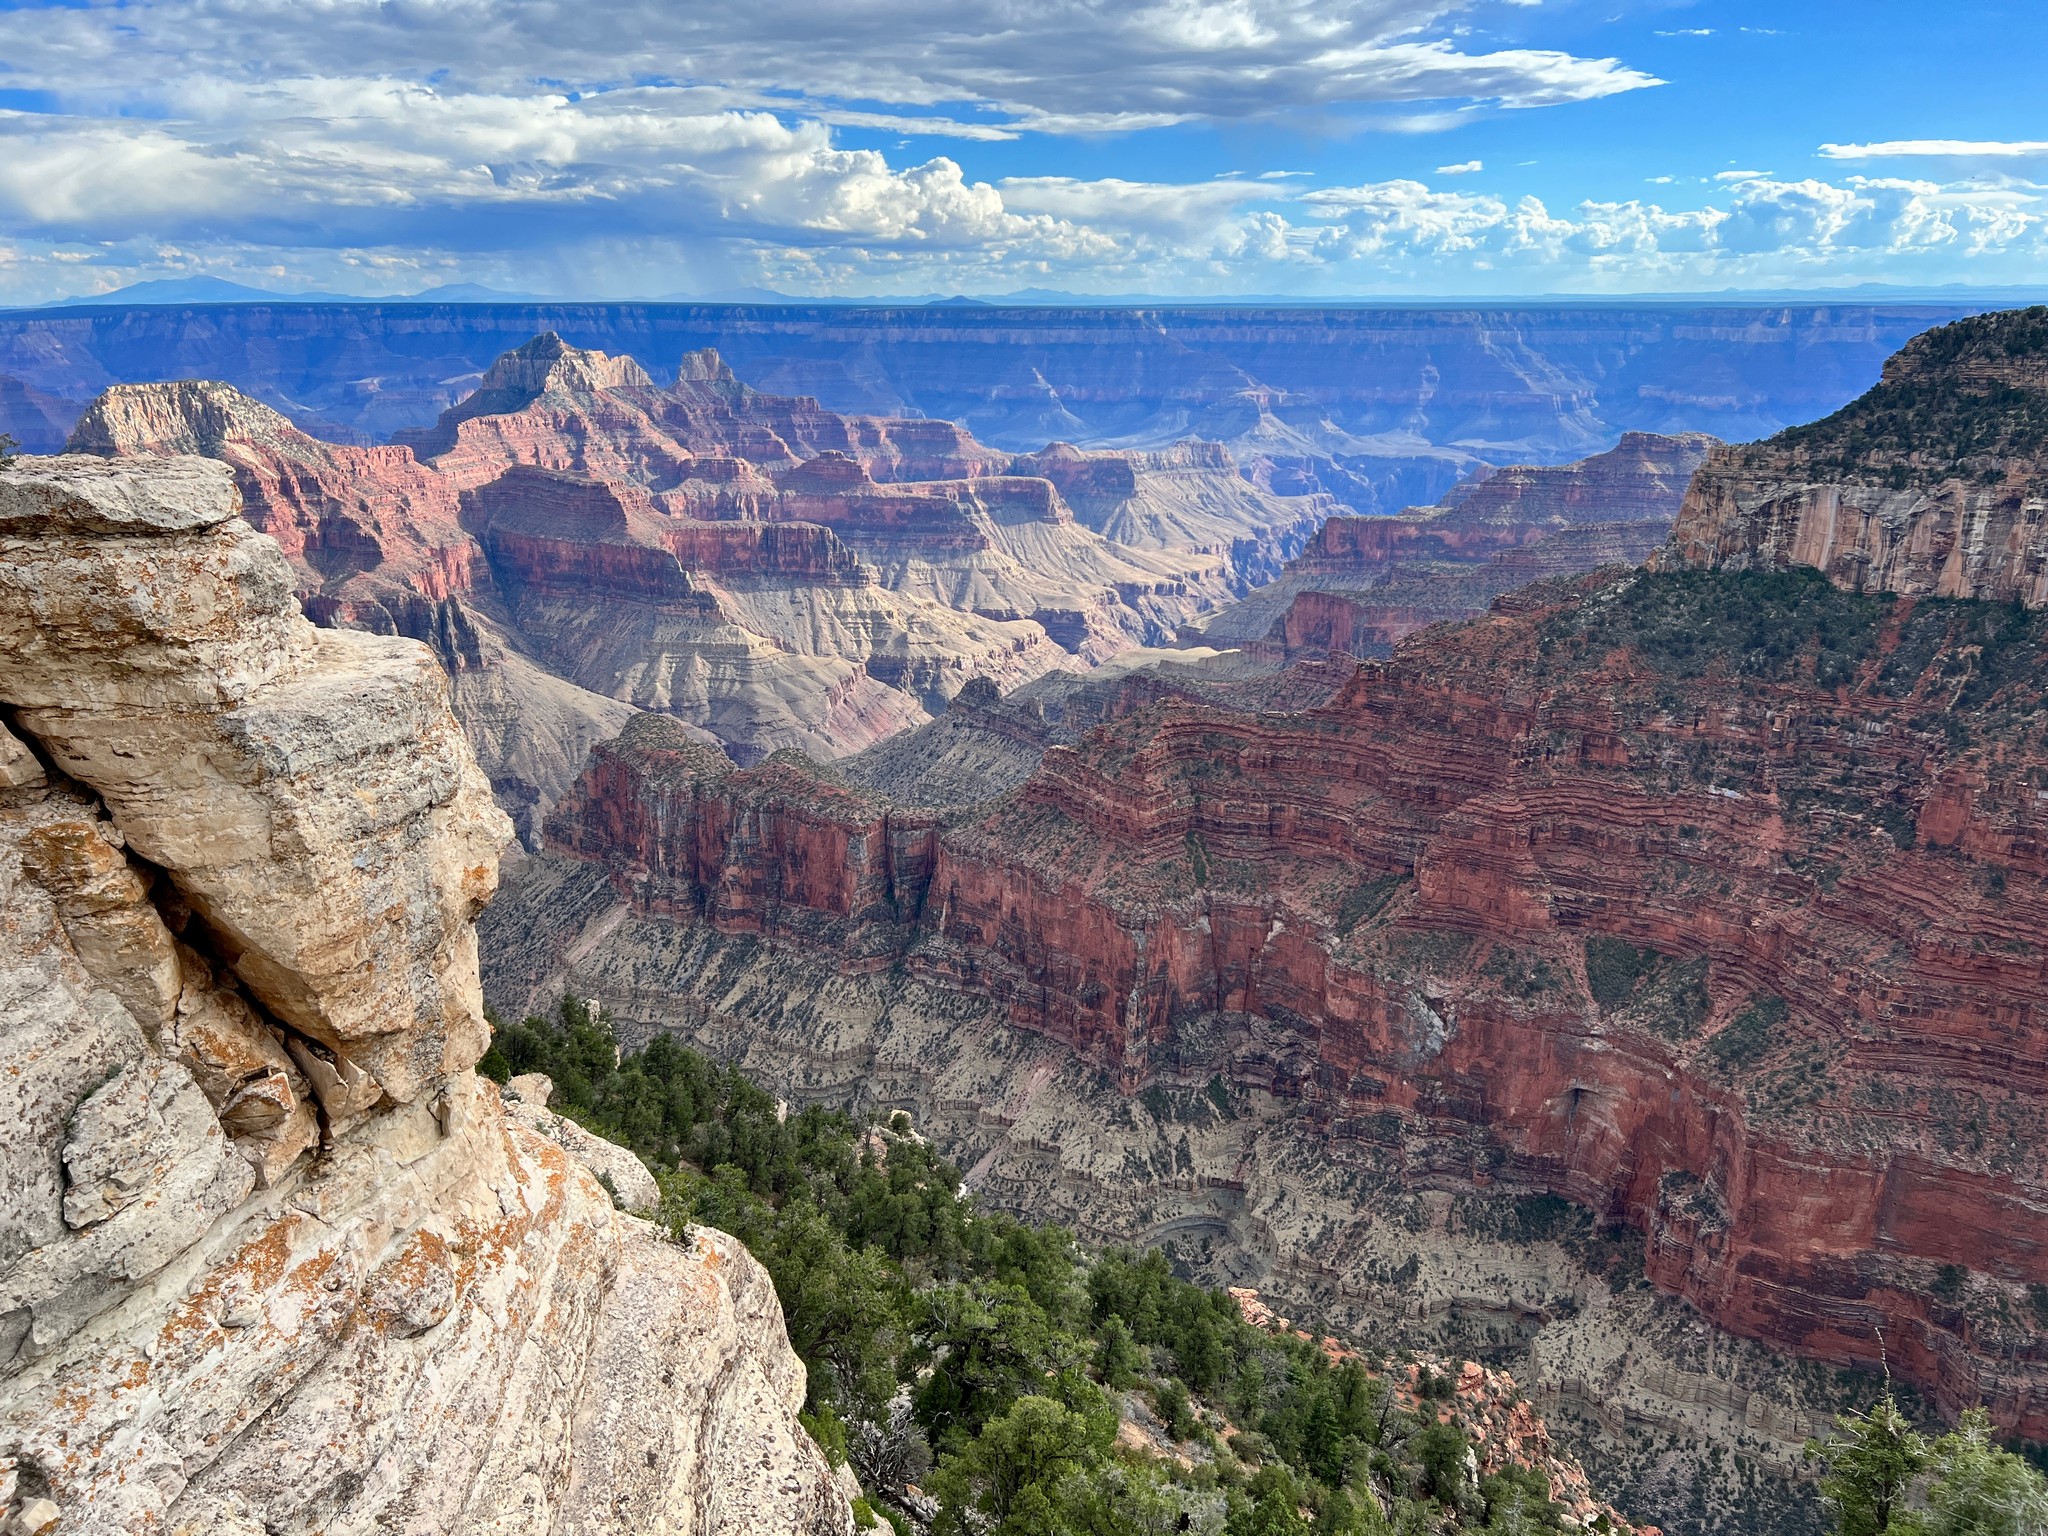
<point>272,1257</point>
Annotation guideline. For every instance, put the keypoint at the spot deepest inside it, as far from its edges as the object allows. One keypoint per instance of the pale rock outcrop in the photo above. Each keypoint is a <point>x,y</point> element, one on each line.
<point>1952,538</point>
<point>526,1100</point>
<point>272,1258</point>
<point>307,789</point>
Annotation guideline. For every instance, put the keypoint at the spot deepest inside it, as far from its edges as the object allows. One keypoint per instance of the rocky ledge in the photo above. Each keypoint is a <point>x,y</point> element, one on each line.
<point>1935,482</point>
<point>272,1257</point>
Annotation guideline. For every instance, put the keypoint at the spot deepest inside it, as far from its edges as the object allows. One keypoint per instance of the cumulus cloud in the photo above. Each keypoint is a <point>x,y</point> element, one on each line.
<point>384,145</point>
<point>1949,149</point>
<point>376,161</point>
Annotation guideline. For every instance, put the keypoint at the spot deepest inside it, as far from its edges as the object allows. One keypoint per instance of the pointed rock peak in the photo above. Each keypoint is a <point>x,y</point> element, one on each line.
<point>548,362</point>
<point>543,366</point>
<point>703,374</point>
<point>186,416</point>
<point>704,366</point>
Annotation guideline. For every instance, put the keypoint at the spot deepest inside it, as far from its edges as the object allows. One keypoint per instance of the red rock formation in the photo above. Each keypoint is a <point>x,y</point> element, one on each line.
<point>1935,481</point>
<point>772,571</point>
<point>1718,905</point>
<point>1363,584</point>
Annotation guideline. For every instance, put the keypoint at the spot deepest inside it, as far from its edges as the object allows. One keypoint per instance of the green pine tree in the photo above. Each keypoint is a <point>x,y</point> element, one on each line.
<point>1871,1462</point>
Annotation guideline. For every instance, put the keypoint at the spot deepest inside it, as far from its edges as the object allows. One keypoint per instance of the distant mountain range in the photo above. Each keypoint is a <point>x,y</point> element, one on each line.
<point>218,290</point>
<point>215,290</point>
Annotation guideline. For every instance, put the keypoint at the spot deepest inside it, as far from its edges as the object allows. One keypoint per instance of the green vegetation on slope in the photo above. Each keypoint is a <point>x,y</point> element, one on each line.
<point>1941,412</point>
<point>983,1360</point>
<point>1960,655</point>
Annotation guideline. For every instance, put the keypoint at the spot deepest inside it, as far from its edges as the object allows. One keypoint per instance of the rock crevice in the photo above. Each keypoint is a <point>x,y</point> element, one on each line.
<point>272,1257</point>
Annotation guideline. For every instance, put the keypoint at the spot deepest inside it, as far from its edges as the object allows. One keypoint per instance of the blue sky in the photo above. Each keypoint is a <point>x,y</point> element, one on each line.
<point>1202,147</point>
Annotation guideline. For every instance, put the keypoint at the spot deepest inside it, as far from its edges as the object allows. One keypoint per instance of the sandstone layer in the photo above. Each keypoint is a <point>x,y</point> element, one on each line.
<point>575,542</point>
<point>1737,940</point>
<point>272,1257</point>
<point>1362,585</point>
<point>1935,482</point>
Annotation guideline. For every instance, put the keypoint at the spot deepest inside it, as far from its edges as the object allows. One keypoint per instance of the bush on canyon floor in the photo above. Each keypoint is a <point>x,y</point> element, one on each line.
<point>984,1358</point>
<point>1746,1039</point>
<point>1615,968</point>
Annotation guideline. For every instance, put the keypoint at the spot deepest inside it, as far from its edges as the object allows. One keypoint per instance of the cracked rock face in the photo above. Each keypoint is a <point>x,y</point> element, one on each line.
<point>271,1257</point>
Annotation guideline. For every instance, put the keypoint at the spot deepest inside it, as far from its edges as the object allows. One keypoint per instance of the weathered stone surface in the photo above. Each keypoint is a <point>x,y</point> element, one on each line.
<point>526,1100</point>
<point>97,497</point>
<point>272,1258</point>
<point>18,766</point>
<point>1934,483</point>
<point>305,789</point>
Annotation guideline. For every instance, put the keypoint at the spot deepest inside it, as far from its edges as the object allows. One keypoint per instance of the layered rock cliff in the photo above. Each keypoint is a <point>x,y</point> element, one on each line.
<point>1190,496</point>
<point>272,1257</point>
<point>375,542</point>
<point>1382,408</point>
<point>579,543</point>
<point>1362,585</point>
<point>1934,482</point>
<point>1716,904</point>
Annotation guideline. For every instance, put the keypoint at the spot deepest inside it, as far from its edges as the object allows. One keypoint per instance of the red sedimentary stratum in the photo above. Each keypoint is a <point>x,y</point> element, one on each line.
<point>1715,903</point>
<point>1361,585</point>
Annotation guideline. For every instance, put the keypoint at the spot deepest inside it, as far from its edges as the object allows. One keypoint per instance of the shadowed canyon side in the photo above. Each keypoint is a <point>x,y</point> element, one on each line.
<point>1362,585</point>
<point>576,543</point>
<point>272,1257</point>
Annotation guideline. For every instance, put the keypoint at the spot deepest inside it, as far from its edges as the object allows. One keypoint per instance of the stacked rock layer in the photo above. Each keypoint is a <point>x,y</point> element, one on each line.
<point>272,1257</point>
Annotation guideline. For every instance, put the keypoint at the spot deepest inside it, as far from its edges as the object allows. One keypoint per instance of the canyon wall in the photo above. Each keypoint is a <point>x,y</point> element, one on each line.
<point>1381,408</point>
<point>1934,482</point>
<point>1716,904</point>
<point>272,1257</point>
<point>579,543</point>
<point>1363,584</point>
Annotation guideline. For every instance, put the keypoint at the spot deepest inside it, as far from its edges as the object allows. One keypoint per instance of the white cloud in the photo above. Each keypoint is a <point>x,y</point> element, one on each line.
<point>291,146</point>
<point>1972,149</point>
<point>1063,66</point>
